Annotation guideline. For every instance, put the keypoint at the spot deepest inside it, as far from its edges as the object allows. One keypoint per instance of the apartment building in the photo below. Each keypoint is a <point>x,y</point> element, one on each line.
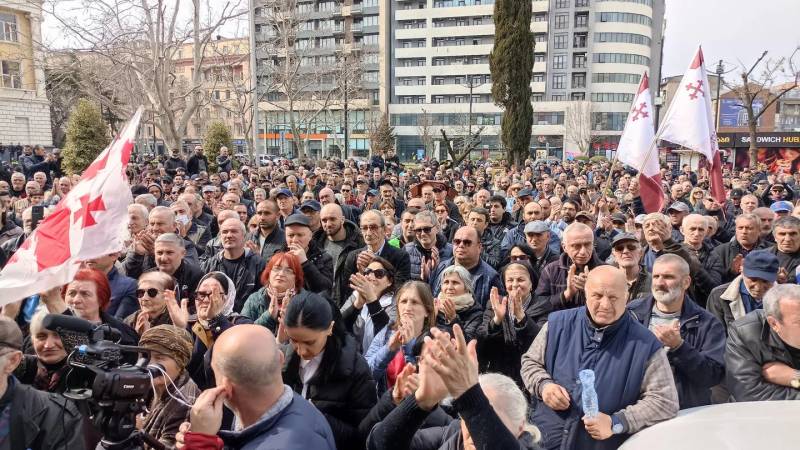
<point>588,59</point>
<point>332,44</point>
<point>24,108</point>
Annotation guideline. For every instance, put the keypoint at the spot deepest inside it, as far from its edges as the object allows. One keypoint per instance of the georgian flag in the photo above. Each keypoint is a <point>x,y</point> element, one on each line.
<point>85,224</point>
<point>638,149</point>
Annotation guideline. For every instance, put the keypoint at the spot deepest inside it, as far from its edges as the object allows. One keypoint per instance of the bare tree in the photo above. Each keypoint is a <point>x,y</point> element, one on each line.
<point>578,125</point>
<point>762,87</point>
<point>460,147</point>
<point>125,53</point>
<point>226,68</point>
<point>426,131</point>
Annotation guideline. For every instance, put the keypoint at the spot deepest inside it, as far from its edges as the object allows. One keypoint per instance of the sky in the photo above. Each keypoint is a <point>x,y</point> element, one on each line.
<point>736,31</point>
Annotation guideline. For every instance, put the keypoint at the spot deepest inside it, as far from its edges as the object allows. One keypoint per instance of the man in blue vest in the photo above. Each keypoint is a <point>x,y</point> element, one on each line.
<point>633,379</point>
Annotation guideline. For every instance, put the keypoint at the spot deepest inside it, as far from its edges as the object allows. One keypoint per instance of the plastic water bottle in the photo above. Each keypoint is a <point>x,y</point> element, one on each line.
<point>588,394</point>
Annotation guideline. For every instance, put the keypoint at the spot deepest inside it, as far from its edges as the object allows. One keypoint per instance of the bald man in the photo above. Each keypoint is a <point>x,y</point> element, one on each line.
<point>635,387</point>
<point>338,237</point>
<point>328,197</point>
<point>247,367</point>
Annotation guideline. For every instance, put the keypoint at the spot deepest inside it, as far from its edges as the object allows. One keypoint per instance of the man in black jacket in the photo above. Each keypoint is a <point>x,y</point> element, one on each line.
<point>762,357</point>
<point>33,419</point>
<point>197,163</point>
<point>169,259</point>
<point>317,265</point>
<point>173,162</point>
<point>338,237</point>
<point>727,258</point>
<point>372,228</point>
<point>236,261</point>
<point>269,238</point>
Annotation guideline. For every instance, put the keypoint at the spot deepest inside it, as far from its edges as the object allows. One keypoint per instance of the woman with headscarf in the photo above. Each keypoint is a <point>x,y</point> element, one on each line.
<point>171,348</point>
<point>455,304</point>
<point>508,328</point>
<point>214,300</point>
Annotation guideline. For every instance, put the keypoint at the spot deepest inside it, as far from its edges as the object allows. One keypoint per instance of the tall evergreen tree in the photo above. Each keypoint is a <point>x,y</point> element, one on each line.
<point>511,63</point>
<point>87,136</point>
<point>217,135</point>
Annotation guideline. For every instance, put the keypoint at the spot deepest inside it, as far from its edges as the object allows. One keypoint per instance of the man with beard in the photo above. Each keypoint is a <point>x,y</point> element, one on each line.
<point>269,238</point>
<point>569,209</point>
<point>169,257</point>
<point>731,301</point>
<point>627,253</point>
<point>786,231</point>
<point>338,237</point>
<point>694,338</point>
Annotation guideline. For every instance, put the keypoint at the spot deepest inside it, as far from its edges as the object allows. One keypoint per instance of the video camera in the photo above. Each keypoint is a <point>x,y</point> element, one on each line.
<point>102,375</point>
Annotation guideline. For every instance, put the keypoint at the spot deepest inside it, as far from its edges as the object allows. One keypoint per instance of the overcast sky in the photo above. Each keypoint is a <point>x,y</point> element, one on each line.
<point>732,30</point>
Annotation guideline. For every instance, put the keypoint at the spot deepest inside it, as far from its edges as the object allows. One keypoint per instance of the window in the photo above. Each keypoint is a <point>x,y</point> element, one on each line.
<point>438,80</point>
<point>439,62</point>
<point>548,118</point>
<point>412,99</point>
<point>641,2</point>
<point>537,97</point>
<point>372,39</point>
<point>10,75</point>
<point>562,21</point>
<point>539,57</point>
<point>412,62</point>
<point>612,97</point>
<point>581,3</point>
<point>560,62</point>
<point>558,81</point>
<point>560,41</point>
<point>613,121</point>
<point>557,97</point>
<point>577,96</point>
<point>579,40</point>
<point>540,17</point>
<point>581,20</point>
<point>371,77</point>
<point>369,3</point>
<point>578,80</point>
<point>437,99</point>
<point>629,78</point>
<point>624,18</point>
<point>628,38</point>
<point>562,4</point>
<point>540,37</point>
<point>538,77</point>
<point>579,60</point>
<point>371,21</point>
<point>621,58</point>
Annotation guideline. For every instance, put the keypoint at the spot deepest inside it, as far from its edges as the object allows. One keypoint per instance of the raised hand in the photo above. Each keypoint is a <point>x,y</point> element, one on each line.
<point>178,314</point>
<point>736,264</point>
<point>448,308</point>
<point>363,260</point>
<point>142,323</point>
<point>299,252</point>
<point>432,389</point>
<point>455,361</point>
<point>499,305</point>
<point>406,383</point>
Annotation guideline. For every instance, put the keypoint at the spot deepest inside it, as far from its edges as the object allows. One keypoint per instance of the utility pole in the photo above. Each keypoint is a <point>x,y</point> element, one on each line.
<point>471,84</point>
<point>720,71</point>
<point>346,121</point>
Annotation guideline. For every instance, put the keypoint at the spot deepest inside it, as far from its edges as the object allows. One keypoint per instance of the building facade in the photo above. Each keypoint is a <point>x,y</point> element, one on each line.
<point>317,71</point>
<point>589,56</point>
<point>24,108</point>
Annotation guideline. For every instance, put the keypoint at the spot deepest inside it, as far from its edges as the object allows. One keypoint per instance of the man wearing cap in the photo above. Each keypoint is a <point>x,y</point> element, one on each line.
<point>626,251</point>
<point>694,338</point>
<point>731,301</point>
<point>676,212</point>
<point>269,238</point>
<point>31,418</point>
<point>524,196</point>
<point>537,236</point>
<point>311,210</point>
<point>286,204</point>
<point>386,189</point>
<point>316,263</point>
<point>515,236</point>
<point>174,161</point>
<point>762,357</point>
<point>735,206</point>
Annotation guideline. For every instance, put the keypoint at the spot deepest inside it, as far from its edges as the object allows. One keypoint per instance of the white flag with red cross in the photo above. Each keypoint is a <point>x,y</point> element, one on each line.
<point>87,223</point>
<point>689,122</point>
<point>637,149</point>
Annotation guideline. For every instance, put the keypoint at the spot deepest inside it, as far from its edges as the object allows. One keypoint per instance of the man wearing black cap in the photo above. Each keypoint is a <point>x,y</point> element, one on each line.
<point>311,210</point>
<point>317,264</point>
<point>286,204</point>
<point>627,252</point>
<point>31,418</point>
<point>386,189</point>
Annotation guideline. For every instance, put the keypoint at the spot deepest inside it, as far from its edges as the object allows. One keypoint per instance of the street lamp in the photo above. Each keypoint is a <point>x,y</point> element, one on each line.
<point>720,71</point>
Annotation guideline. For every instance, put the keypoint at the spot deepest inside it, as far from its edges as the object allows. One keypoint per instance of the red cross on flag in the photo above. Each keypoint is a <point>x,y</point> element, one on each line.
<point>689,121</point>
<point>638,150</point>
<point>87,223</point>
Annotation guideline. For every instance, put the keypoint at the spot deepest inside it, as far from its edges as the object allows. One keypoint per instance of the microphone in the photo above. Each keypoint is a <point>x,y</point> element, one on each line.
<point>61,322</point>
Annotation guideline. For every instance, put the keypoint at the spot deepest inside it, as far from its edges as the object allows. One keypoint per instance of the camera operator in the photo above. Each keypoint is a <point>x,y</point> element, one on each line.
<point>171,347</point>
<point>30,418</point>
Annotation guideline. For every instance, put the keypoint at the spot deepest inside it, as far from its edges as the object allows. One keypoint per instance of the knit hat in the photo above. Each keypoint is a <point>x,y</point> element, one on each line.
<point>169,340</point>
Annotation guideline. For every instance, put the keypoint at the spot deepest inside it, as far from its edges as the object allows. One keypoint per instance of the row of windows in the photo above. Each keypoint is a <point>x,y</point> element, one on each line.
<point>641,2</point>
<point>621,58</point>
<point>562,20</point>
<point>578,61</point>
<point>476,98</point>
<point>564,4</point>
<point>602,97</point>
<point>452,3</point>
<point>412,24</point>
<point>449,61</point>
<point>458,41</point>
<point>615,78</point>
<point>614,121</point>
<point>624,18</point>
<point>462,21</point>
<point>462,80</point>
<point>444,119</point>
<point>627,38</point>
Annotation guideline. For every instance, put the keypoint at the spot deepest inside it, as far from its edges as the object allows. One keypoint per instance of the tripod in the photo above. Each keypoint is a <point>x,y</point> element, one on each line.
<point>116,420</point>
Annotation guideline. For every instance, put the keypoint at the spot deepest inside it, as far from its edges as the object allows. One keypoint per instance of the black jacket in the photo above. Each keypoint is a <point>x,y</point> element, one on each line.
<point>273,243</point>
<point>41,420</point>
<point>246,276</point>
<point>187,277</point>
<point>171,165</point>
<point>318,270</point>
<point>135,265</point>
<point>751,344</point>
<point>352,241</point>
<point>342,389</point>
<point>399,259</point>
<point>193,164</point>
<point>722,258</point>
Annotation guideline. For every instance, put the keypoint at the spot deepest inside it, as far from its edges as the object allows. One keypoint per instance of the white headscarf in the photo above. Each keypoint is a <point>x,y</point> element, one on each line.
<point>230,297</point>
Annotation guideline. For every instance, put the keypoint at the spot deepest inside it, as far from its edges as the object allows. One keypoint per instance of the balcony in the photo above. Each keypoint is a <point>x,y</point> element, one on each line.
<point>356,28</point>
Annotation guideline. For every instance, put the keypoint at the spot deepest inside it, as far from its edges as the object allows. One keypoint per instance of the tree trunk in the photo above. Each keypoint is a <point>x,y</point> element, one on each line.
<point>752,125</point>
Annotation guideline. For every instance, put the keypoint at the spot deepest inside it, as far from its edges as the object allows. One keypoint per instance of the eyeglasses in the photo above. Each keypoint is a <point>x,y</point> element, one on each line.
<point>437,190</point>
<point>465,242</point>
<point>630,247</point>
<point>377,273</point>
<point>283,269</point>
<point>370,227</point>
<point>199,295</point>
<point>440,211</point>
<point>152,292</point>
<point>425,230</point>
<point>345,190</point>
<point>519,258</point>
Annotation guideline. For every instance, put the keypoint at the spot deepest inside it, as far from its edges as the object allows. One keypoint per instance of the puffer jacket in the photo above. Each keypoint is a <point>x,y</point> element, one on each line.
<point>246,278</point>
<point>492,240</point>
<point>726,304</point>
<point>416,254</point>
<point>342,388</point>
<point>751,344</point>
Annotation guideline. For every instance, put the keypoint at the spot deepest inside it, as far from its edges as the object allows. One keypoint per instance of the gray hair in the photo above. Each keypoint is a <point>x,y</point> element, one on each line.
<point>36,322</point>
<point>162,210</point>
<point>787,222</point>
<point>508,399</point>
<point>657,216</point>
<point>171,238</point>
<point>462,273</point>
<point>777,294</point>
<point>671,258</point>
<point>140,210</point>
<point>377,214</point>
<point>751,217</point>
<point>427,216</point>
<point>148,199</point>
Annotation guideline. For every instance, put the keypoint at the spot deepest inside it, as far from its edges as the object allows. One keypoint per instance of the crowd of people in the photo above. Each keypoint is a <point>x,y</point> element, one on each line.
<point>370,305</point>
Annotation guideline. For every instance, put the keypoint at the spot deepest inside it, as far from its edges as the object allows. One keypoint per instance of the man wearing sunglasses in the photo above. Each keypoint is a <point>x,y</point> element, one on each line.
<point>627,252</point>
<point>429,247</point>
